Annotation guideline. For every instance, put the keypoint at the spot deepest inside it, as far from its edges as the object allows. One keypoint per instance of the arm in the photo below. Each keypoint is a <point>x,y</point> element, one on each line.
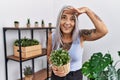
<point>100,28</point>
<point>49,49</point>
<point>49,46</point>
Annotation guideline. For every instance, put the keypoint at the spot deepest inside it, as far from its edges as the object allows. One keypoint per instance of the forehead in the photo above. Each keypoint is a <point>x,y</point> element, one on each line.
<point>66,13</point>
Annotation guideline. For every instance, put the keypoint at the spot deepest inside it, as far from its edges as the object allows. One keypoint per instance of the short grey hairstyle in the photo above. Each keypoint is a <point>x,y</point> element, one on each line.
<point>58,34</point>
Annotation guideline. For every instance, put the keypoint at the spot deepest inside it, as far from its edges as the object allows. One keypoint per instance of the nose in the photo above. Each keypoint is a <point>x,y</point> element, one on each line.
<point>67,22</point>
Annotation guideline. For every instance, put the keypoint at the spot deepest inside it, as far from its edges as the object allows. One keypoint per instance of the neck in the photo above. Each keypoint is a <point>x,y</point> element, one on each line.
<point>67,38</point>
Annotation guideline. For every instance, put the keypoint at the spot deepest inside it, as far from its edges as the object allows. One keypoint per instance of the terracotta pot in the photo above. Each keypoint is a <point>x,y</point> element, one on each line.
<point>29,77</point>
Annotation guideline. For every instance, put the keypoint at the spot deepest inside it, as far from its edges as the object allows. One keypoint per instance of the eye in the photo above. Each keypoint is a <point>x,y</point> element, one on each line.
<point>63,17</point>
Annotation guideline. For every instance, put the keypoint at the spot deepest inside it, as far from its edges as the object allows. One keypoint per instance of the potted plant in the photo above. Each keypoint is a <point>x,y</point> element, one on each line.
<point>42,23</point>
<point>50,24</point>
<point>16,24</point>
<point>29,47</point>
<point>28,23</point>
<point>100,67</point>
<point>28,72</point>
<point>36,24</point>
<point>61,60</point>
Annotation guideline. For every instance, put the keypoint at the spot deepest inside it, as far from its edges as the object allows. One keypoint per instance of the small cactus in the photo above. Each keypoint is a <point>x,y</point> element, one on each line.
<point>42,23</point>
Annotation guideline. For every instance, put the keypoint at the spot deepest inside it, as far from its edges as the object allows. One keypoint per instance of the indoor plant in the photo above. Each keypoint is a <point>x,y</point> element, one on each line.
<point>61,60</point>
<point>36,24</point>
<point>28,23</point>
<point>29,47</point>
<point>28,72</point>
<point>42,23</point>
<point>100,67</point>
<point>16,24</point>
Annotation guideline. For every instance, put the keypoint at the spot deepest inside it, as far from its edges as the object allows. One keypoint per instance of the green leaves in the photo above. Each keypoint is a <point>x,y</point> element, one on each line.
<point>59,57</point>
<point>28,70</point>
<point>118,71</point>
<point>118,53</point>
<point>97,63</point>
<point>26,42</point>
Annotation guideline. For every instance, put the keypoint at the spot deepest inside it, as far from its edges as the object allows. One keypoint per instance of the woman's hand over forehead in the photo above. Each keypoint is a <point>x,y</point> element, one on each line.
<point>75,11</point>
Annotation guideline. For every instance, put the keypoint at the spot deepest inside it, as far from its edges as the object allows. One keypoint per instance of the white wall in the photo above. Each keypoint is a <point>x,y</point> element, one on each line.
<point>37,10</point>
<point>11,10</point>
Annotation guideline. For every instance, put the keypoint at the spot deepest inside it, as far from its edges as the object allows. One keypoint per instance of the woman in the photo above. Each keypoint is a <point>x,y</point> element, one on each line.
<point>69,37</point>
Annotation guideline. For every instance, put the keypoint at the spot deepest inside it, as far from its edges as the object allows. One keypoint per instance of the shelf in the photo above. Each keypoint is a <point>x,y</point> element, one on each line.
<point>12,57</point>
<point>40,75</point>
<point>24,28</point>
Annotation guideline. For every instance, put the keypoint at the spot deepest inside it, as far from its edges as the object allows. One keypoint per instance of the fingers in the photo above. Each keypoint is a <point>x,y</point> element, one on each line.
<point>58,72</point>
<point>73,11</point>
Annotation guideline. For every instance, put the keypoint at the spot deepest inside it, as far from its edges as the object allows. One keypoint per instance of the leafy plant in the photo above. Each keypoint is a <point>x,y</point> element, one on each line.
<point>26,42</point>
<point>59,57</point>
<point>28,70</point>
<point>100,67</point>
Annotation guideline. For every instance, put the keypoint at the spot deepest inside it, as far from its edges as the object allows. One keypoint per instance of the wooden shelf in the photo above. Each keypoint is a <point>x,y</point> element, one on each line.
<point>25,28</point>
<point>12,57</point>
<point>40,75</point>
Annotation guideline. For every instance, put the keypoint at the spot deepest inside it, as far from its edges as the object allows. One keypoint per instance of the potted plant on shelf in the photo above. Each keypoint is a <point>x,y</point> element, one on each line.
<point>16,24</point>
<point>36,24</point>
<point>28,72</point>
<point>61,60</point>
<point>100,67</point>
<point>42,23</point>
<point>29,47</point>
<point>28,23</point>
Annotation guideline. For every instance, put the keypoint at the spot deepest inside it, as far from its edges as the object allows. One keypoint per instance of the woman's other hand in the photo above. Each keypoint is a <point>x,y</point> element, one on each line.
<point>58,72</point>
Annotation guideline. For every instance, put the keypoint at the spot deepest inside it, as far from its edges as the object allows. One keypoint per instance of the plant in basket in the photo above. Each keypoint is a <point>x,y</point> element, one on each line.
<point>29,47</point>
<point>61,60</point>
<point>28,72</point>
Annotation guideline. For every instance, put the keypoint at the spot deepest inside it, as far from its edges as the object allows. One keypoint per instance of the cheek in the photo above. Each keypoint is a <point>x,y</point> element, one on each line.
<point>73,23</point>
<point>61,22</point>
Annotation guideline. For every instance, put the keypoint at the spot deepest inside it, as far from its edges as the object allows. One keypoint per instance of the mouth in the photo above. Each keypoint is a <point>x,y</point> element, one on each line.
<point>66,27</point>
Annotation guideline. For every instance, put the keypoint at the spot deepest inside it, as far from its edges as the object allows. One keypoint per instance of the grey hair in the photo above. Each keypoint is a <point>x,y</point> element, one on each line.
<point>58,33</point>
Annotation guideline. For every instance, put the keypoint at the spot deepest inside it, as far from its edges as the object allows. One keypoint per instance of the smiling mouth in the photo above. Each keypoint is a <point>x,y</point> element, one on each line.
<point>66,27</point>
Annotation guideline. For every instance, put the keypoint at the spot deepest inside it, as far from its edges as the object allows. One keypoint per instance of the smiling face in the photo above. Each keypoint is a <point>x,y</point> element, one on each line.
<point>67,23</point>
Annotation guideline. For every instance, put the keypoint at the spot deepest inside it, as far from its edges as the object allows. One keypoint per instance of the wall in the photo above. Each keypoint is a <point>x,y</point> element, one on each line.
<point>11,10</point>
<point>37,10</point>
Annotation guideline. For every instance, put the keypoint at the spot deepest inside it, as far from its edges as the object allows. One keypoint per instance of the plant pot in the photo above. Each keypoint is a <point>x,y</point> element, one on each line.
<point>16,24</point>
<point>29,77</point>
<point>28,51</point>
<point>28,25</point>
<point>65,68</point>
